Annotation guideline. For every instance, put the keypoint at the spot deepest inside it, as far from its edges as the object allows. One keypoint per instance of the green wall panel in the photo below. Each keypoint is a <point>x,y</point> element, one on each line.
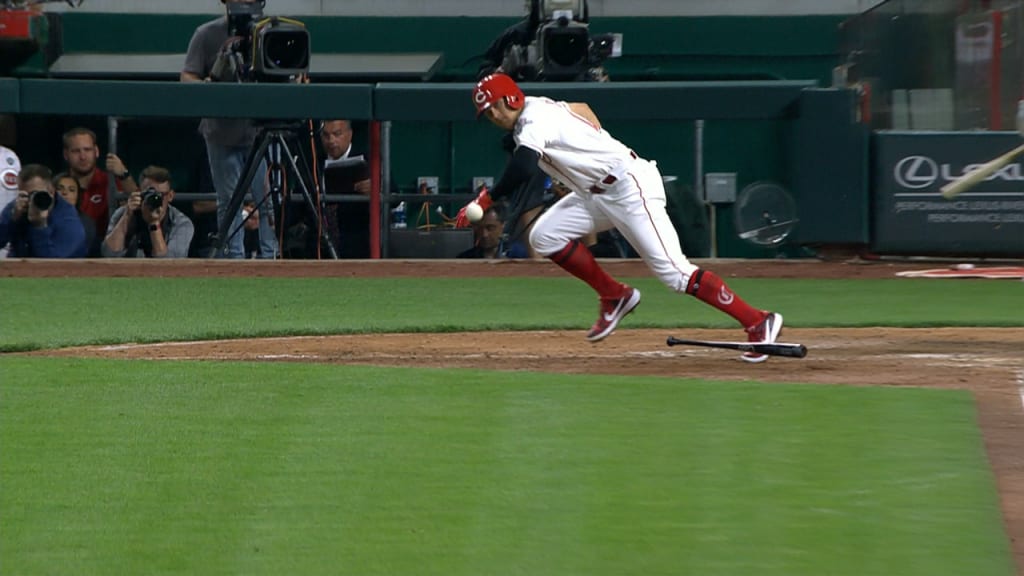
<point>176,99</point>
<point>112,33</point>
<point>10,97</point>
<point>663,48</point>
<point>622,100</point>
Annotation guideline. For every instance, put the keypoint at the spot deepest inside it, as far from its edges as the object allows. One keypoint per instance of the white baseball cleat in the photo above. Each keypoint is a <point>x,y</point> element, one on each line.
<point>764,332</point>
<point>611,312</point>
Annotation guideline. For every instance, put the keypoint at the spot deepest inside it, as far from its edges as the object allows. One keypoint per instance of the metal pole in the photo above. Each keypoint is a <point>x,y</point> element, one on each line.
<point>385,187</point>
<point>112,134</point>
<point>698,184</point>
<point>111,179</point>
<point>375,188</point>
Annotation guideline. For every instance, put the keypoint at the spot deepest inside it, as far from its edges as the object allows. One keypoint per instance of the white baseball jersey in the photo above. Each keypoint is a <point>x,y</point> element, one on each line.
<point>10,165</point>
<point>612,188</point>
<point>571,148</point>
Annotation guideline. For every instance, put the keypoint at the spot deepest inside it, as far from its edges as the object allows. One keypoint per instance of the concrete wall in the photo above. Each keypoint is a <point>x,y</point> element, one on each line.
<point>510,8</point>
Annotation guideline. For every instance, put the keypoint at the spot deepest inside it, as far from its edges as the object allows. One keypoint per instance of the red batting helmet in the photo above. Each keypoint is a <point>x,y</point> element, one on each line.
<point>494,87</point>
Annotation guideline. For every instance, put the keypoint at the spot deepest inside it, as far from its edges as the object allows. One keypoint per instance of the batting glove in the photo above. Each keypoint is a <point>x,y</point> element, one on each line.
<point>483,199</point>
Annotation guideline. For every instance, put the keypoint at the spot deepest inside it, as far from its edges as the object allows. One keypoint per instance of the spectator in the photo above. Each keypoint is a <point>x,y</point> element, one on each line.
<point>348,222</point>
<point>94,185</point>
<point>147,226</point>
<point>10,165</point>
<point>251,229</point>
<point>66,185</point>
<point>487,233</point>
<point>228,143</point>
<point>336,138</point>
<point>39,223</point>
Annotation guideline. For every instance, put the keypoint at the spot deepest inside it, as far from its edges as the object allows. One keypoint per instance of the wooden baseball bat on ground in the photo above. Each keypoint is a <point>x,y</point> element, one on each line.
<point>775,349</point>
<point>972,178</point>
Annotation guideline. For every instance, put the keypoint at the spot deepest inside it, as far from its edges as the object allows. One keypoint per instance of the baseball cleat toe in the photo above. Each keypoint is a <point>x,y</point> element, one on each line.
<point>612,311</point>
<point>764,332</point>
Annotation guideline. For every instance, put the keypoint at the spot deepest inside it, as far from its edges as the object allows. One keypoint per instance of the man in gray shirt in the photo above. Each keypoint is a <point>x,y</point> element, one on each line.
<point>144,229</point>
<point>228,142</point>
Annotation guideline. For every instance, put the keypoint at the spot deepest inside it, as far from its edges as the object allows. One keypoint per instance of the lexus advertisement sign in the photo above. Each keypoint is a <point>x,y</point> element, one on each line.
<point>911,216</point>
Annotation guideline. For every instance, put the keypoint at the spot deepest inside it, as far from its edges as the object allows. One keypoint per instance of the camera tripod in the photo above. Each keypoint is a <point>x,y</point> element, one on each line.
<point>279,145</point>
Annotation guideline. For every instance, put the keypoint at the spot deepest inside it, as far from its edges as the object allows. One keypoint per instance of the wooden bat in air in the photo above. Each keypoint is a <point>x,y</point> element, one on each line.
<point>972,178</point>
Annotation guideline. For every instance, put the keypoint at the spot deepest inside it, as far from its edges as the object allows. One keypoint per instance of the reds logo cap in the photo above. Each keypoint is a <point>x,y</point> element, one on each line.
<point>10,165</point>
<point>494,87</point>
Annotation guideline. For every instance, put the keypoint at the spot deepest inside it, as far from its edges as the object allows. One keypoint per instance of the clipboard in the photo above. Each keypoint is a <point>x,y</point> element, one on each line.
<point>340,176</point>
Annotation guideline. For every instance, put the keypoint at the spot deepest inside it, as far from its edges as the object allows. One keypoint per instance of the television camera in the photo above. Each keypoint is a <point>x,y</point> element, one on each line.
<point>563,48</point>
<point>24,31</point>
<point>259,48</point>
<point>23,4</point>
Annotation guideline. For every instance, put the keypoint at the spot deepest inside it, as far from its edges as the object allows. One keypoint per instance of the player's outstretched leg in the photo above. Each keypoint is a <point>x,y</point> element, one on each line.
<point>617,299</point>
<point>761,326</point>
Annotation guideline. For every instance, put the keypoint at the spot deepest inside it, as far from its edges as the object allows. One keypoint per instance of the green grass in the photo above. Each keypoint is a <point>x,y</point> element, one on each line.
<point>114,467</point>
<point>42,313</point>
<point>111,467</point>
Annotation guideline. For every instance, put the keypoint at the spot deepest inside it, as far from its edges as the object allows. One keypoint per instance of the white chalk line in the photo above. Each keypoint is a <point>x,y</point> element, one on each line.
<point>136,346</point>
<point>1020,386</point>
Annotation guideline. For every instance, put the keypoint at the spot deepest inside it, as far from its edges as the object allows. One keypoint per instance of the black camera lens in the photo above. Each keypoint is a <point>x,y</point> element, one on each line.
<point>566,47</point>
<point>41,199</point>
<point>286,49</point>
<point>152,199</point>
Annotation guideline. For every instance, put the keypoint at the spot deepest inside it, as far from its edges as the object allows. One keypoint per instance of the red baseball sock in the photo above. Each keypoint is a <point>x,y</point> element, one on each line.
<point>707,286</point>
<point>577,260</point>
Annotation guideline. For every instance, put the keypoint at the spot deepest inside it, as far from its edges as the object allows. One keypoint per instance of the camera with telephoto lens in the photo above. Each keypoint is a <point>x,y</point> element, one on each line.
<point>564,49</point>
<point>261,49</point>
<point>152,199</point>
<point>41,199</point>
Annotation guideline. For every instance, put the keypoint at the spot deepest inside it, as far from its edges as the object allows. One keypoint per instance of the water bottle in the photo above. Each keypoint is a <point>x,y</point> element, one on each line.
<point>398,216</point>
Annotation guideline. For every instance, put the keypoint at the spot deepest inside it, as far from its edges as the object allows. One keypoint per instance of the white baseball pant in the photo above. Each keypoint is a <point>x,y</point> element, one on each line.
<point>635,205</point>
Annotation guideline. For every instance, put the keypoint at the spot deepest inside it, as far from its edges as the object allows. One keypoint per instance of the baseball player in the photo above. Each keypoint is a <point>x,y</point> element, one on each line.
<point>611,187</point>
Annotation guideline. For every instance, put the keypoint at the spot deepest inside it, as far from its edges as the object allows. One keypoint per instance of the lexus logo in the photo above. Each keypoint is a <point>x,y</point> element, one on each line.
<point>916,172</point>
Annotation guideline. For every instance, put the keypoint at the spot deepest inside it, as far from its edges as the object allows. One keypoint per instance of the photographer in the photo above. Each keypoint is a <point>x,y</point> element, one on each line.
<point>552,43</point>
<point>520,34</point>
<point>228,141</point>
<point>39,223</point>
<point>147,226</point>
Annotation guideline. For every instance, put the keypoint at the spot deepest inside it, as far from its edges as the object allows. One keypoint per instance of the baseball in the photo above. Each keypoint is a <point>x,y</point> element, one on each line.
<point>474,212</point>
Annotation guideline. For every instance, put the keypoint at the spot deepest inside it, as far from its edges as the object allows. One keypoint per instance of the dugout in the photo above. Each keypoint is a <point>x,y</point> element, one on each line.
<point>757,84</point>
